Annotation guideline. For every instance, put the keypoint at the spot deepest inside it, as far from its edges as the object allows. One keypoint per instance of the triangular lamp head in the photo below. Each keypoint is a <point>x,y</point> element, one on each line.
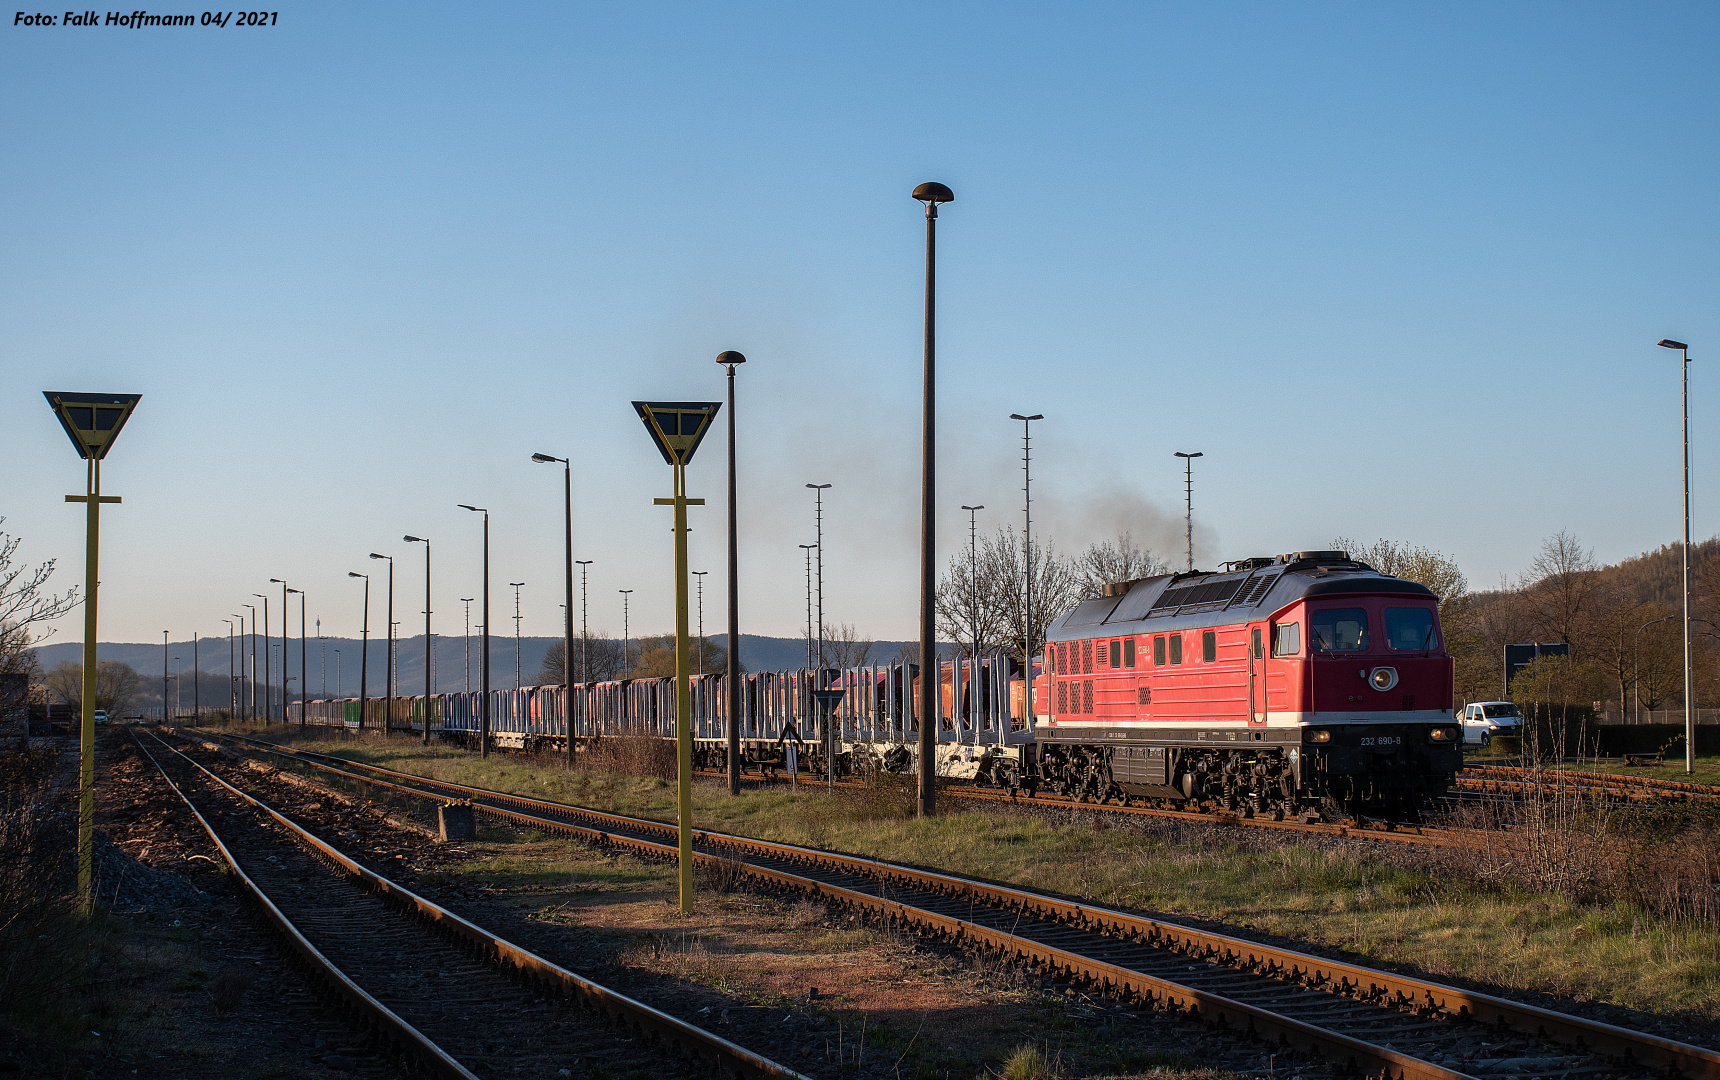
<point>677,427</point>
<point>92,421</point>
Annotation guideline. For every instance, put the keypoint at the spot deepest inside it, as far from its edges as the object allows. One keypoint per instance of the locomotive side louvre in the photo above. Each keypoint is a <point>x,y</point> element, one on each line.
<point>1308,682</point>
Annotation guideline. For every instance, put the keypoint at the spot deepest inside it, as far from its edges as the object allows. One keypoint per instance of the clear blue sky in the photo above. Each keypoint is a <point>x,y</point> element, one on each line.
<point>1397,270</point>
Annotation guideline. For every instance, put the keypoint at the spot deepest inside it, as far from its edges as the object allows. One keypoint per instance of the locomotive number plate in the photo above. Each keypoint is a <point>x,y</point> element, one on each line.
<point>1381,740</point>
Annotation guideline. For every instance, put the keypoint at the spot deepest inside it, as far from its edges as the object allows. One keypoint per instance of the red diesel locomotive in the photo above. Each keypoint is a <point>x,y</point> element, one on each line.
<point>1309,684</point>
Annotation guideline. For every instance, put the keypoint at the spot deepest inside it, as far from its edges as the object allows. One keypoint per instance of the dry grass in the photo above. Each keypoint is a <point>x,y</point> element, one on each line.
<point>43,942</point>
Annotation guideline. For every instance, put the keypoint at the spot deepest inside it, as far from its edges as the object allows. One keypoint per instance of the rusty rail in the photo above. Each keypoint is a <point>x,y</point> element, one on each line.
<point>535,968</point>
<point>1351,980</point>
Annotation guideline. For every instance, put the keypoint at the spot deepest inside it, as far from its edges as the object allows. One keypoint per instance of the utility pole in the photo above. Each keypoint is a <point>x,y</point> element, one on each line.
<point>808,548</point>
<point>626,630</point>
<point>700,574</point>
<point>516,585</point>
<point>1028,650</point>
<point>584,629</point>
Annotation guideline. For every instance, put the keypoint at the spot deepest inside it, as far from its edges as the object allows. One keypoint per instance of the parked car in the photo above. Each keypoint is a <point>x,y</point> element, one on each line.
<point>1484,719</point>
<point>101,716</point>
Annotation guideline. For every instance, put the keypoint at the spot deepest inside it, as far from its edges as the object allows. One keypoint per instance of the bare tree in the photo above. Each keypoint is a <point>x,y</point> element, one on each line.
<point>116,685</point>
<point>1109,562</point>
<point>599,654</point>
<point>26,606</point>
<point>1562,588</point>
<point>1424,566</point>
<point>993,599</point>
<point>844,647</point>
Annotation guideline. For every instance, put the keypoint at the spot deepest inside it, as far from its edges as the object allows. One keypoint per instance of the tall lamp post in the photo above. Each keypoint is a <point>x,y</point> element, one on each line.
<point>427,646</point>
<point>286,696</point>
<point>363,652</point>
<point>304,687</point>
<point>484,656</point>
<point>166,716</point>
<point>388,662</point>
<point>232,687</point>
<point>196,681</point>
<point>92,422</point>
<point>931,194</point>
<point>252,683</point>
<point>268,666</point>
<point>467,600</point>
<point>677,427</point>
<point>1188,501</point>
<point>1689,685</point>
<point>567,623</point>
<point>729,360</point>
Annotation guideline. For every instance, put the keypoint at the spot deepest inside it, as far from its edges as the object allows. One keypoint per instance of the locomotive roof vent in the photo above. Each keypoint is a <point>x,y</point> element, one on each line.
<point>1121,588</point>
<point>1248,564</point>
<point>1315,557</point>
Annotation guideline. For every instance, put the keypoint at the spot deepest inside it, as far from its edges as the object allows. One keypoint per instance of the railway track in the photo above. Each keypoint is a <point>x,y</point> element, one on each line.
<point>1517,780</point>
<point>1373,1021</point>
<point>409,967</point>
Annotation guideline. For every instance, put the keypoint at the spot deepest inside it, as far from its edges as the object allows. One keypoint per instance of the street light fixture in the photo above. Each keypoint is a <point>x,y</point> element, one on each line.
<point>268,665</point>
<point>1188,501</point>
<point>285,693</point>
<point>729,360</point>
<point>304,687</point>
<point>427,646</point>
<point>1689,685</point>
<point>932,194</point>
<point>388,663</point>
<point>567,622</point>
<point>92,422</point>
<point>363,653</point>
<point>484,656</point>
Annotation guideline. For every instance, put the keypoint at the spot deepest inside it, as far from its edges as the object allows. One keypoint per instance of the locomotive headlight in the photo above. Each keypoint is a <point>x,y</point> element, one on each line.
<point>1443,734</point>
<point>1320,736</point>
<point>1383,678</point>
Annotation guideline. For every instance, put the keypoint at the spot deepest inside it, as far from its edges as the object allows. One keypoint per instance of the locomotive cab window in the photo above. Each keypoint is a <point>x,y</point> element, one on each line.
<point>1176,648</point>
<point>1159,651</point>
<point>1410,629</point>
<point>1209,646</point>
<point>1116,654</point>
<point>1338,630</point>
<point>1287,639</point>
<point>1128,652</point>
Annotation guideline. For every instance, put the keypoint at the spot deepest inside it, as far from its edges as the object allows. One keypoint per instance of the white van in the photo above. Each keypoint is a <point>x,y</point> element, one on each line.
<point>1484,719</point>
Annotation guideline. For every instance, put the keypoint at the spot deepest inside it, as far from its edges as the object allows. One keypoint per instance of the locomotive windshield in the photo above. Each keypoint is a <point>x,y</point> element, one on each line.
<point>1410,629</point>
<point>1338,630</point>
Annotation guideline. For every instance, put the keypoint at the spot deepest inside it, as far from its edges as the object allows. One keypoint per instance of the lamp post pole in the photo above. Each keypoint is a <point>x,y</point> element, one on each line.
<point>322,647</point>
<point>1689,684</point>
<point>363,652</point>
<point>388,663</point>
<point>729,360</point>
<point>931,194</point>
<point>339,678</point>
<point>567,621</point>
<point>232,687</point>
<point>252,681</point>
<point>304,661</point>
<point>1028,649</point>
<point>285,696</point>
<point>196,681</point>
<point>268,666</point>
<point>818,524</point>
<point>1188,501</point>
<point>427,646</point>
<point>166,716</point>
<point>484,655</point>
